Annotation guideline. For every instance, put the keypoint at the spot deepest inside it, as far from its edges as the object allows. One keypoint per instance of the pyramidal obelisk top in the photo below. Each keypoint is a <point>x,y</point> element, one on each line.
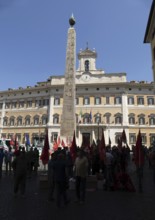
<point>68,120</point>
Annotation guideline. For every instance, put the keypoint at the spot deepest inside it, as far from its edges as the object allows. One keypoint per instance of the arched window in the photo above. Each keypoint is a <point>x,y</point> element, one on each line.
<point>12,121</point>
<point>86,118</point>
<point>56,119</point>
<point>27,120</point>
<point>141,120</point>
<point>107,117</point>
<point>87,65</point>
<point>36,120</point>
<point>44,119</point>
<point>5,121</point>
<point>118,118</point>
<point>131,120</point>
<point>19,121</point>
<point>152,119</point>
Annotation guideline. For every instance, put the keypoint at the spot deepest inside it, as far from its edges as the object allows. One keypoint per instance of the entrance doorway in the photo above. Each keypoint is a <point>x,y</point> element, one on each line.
<point>85,139</point>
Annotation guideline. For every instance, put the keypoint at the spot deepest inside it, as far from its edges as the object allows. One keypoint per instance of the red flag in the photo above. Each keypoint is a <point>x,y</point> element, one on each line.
<point>123,137</point>
<point>58,142</point>
<point>45,152</point>
<point>62,143</point>
<point>73,148</point>
<point>55,146</point>
<point>109,141</point>
<point>139,151</point>
<point>16,143</point>
<point>119,144</point>
<point>102,149</point>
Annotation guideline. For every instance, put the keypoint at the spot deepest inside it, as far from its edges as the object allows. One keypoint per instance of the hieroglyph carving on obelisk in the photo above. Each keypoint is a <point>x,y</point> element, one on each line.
<point>68,120</point>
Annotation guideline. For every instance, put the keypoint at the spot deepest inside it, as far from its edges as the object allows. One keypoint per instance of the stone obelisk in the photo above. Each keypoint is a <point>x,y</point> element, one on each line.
<point>68,120</point>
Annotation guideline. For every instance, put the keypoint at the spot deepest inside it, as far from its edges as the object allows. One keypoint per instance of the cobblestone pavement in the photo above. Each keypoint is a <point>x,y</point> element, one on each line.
<point>99,205</point>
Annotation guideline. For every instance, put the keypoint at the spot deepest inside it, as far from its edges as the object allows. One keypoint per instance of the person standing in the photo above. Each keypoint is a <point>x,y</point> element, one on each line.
<point>8,160</point>
<point>51,180</point>
<point>1,161</point>
<point>81,172</point>
<point>60,178</point>
<point>20,166</point>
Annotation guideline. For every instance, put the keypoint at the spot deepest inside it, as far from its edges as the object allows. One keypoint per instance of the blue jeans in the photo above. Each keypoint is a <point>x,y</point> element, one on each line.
<point>80,188</point>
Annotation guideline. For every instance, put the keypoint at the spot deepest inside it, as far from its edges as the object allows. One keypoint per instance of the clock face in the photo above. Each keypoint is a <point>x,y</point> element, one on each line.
<point>85,78</point>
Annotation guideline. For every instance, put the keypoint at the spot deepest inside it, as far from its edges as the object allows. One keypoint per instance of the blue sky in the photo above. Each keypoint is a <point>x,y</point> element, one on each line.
<point>33,37</point>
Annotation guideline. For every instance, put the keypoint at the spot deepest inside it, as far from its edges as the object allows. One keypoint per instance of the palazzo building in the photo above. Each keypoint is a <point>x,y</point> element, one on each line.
<point>150,35</point>
<point>104,101</point>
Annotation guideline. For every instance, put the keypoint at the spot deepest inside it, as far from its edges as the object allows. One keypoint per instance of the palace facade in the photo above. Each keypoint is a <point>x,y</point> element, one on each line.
<point>150,35</point>
<point>104,102</point>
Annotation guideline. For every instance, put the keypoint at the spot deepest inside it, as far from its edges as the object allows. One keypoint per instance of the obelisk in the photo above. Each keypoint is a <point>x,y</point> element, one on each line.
<point>68,119</point>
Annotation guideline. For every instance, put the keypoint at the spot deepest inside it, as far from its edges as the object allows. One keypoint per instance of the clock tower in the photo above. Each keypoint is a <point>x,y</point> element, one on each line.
<point>87,61</point>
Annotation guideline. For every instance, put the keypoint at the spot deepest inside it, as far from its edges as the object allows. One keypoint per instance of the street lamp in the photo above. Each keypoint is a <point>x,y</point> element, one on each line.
<point>98,122</point>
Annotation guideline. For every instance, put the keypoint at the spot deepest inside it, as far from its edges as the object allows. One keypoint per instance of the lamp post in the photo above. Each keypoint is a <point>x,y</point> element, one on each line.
<point>98,123</point>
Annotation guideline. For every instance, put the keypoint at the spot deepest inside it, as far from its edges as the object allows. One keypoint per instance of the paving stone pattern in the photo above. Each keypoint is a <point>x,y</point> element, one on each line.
<point>99,205</point>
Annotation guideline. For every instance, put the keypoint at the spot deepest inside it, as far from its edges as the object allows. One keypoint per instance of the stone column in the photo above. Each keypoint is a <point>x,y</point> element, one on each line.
<point>68,122</point>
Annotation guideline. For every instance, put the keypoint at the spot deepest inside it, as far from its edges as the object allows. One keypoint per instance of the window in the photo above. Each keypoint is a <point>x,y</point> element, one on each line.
<point>54,136</point>
<point>86,101</point>
<point>98,118</point>
<point>7,105</point>
<point>1,105</point>
<point>57,101</point>
<point>97,100</point>
<point>12,121</point>
<point>14,104</point>
<point>152,138</point>
<point>117,137</point>
<point>130,101</point>
<point>150,101</point>
<point>36,120</point>
<point>107,100</point>
<point>45,102</point>
<point>141,120</point>
<point>118,118</point>
<point>21,104</point>
<point>27,120</point>
<point>132,138</point>
<point>29,104</point>
<point>56,119</point>
<point>140,100</point>
<point>5,122</point>
<point>76,101</point>
<point>44,119</point>
<point>87,65</point>
<point>86,118</point>
<point>152,121</point>
<point>19,121</point>
<point>144,139</point>
<point>107,118</point>
<point>118,100</point>
<point>131,120</point>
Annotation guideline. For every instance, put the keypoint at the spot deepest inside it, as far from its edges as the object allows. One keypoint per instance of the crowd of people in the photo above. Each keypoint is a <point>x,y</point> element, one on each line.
<point>20,164</point>
<point>114,170</point>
